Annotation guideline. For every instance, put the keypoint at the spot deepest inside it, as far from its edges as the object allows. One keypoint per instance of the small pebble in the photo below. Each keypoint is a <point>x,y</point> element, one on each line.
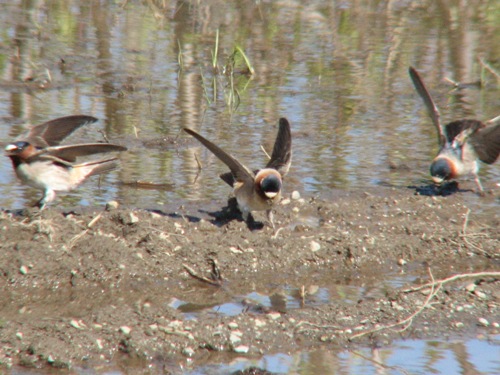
<point>178,228</point>
<point>285,201</point>
<point>315,246</point>
<point>470,287</point>
<point>78,324</point>
<point>312,290</point>
<point>495,324</point>
<point>459,325</point>
<point>241,349</point>
<point>111,205</point>
<point>234,337</point>
<point>259,323</point>
<point>19,335</point>
<point>23,270</point>
<point>401,262</point>
<point>188,351</point>
<point>483,322</point>
<point>274,315</point>
<point>480,294</point>
<point>235,250</point>
<point>233,325</point>
<point>295,195</point>
<point>125,330</point>
<point>99,344</point>
<point>132,218</point>
<point>155,215</point>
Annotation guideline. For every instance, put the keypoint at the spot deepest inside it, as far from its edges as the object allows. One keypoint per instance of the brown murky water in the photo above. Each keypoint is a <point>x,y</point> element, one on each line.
<point>336,70</point>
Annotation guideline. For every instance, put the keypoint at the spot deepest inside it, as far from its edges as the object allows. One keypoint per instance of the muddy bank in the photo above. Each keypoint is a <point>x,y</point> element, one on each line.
<point>85,286</point>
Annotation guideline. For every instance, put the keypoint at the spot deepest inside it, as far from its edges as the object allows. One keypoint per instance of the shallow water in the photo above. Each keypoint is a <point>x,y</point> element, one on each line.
<point>286,292</point>
<point>479,356</point>
<point>447,355</point>
<point>336,70</point>
<point>416,357</point>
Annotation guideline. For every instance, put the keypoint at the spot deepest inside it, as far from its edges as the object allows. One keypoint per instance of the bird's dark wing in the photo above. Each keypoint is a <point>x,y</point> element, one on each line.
<point>281,158</point>
<point>429,104</point>
<point>238,170</point>
<point>71,152</point>
<point>462,129</point>
<point>486,143</point>
<point>51,133</point>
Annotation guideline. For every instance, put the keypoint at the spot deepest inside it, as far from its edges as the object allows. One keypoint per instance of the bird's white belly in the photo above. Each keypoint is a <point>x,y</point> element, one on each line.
<point>44,175</point>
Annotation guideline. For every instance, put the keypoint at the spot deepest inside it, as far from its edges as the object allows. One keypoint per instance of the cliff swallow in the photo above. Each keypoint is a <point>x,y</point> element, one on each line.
<point>52,132</point>
<point>461,142</point>
<point>40,162</point>
<point>257,190</point>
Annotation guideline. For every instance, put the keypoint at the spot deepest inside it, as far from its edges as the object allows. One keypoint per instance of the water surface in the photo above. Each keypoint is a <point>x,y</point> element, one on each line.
<point>336,70</point>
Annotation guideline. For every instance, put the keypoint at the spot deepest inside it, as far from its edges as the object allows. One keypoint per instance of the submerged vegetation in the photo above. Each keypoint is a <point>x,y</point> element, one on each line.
<point>232,76</point>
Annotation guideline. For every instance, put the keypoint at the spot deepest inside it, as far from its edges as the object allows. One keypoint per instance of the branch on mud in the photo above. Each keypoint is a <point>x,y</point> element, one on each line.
<point>91,223</point>
<point>435,287</point>
<point>317,326</point>
<point>465,236</point>
<point>215,276</point>
<point>452,278</point>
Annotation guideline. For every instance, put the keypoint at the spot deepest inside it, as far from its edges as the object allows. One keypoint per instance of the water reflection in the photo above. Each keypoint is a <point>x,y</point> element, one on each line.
<point>478,356</point>
<point>338,71</point>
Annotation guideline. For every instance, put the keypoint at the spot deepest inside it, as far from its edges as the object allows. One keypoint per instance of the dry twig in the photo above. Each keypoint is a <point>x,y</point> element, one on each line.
<point>265,152</point>
<point>91,223</point>
<point>435,287</point>
<point>452,278</point>
<point>466,236</point>
<point>317,326</point>
<point>216,279</point>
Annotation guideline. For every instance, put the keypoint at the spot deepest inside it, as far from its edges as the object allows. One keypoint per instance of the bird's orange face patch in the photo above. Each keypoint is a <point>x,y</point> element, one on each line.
<point>445,169</point>
<point>23,150</point>
<point>268,183</point>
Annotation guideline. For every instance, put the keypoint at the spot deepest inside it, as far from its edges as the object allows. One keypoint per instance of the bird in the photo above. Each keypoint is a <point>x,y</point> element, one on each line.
<point>462,142</point>
<point>41,162</point>
<point>257,190</point>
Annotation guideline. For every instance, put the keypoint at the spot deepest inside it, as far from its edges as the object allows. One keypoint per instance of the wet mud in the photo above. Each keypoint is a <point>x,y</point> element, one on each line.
<point>92,285</point>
